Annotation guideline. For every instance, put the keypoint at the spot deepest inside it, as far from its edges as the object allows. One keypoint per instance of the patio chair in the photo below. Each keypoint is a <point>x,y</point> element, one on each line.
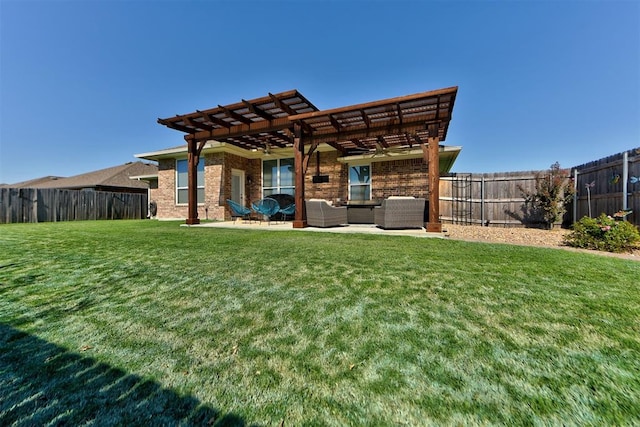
<point>266,207</point>
<point>239,211</point>
<point>289,210</point>
<point>400,212</point>
<point>284,200</point>
<point>321,214</point>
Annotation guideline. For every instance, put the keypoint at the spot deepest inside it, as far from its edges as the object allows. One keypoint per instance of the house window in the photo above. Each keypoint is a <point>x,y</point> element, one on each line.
<point>278,177</point>
<point>360,183</point>
<point>182,181</point>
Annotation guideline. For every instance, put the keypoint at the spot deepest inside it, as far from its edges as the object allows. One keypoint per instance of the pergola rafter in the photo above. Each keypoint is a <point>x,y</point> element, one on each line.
<point>288,119</point>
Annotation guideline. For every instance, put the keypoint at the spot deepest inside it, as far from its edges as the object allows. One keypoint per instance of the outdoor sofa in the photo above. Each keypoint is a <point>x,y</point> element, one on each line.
<point>400,212</point>
<point>322,214</point>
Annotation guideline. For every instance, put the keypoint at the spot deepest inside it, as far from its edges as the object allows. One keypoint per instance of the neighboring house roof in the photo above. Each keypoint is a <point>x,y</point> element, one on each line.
<point>113,177</point>
<point>31,183</point>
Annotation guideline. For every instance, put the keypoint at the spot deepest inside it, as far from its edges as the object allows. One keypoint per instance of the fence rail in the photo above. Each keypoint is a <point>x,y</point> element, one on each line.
<point>609,185</point>
<point>495,199</point>
<point>50,205</point>
<point>492,199</point>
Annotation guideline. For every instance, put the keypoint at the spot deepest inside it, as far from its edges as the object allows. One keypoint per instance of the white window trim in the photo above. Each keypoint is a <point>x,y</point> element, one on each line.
<point>279,187</point>
<point>187,186</point>
<point>370,183</point>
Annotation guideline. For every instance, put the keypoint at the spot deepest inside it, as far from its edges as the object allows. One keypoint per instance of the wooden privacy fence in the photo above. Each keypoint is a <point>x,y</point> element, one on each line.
<point>492,199</point>
<point>609,185</point>
<point>605,186</point>
<point>49,205</point>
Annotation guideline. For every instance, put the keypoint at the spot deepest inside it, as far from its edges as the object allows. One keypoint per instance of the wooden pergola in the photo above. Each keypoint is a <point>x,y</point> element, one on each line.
<point>288,119</point>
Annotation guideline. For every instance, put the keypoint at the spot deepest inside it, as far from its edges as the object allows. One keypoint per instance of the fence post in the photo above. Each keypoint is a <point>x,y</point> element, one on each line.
<point>625,179</point>
<point>482,222</point>
<point>575,195</point>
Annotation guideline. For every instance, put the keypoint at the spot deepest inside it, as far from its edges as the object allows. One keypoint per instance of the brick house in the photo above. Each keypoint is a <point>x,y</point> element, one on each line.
<point>223,167</point>
<point>247,151</point>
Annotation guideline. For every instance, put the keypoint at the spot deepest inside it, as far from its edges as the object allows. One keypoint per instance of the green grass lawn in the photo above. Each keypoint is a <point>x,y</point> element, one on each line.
<point>145,322</point>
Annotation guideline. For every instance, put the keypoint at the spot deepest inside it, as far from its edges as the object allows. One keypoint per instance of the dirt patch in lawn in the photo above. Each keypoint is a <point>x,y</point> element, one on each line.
<point>521,236</point>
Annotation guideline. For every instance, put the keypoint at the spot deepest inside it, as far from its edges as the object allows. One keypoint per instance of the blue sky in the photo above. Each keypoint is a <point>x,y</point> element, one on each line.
<point>83,82</point>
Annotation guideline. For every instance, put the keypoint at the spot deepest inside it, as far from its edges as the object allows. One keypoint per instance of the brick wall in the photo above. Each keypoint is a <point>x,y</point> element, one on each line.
<point>393,178</point>
<point>253,172</point>
<point>166,194</point>
<point>213,182</point>
<point>217,186</point>
<point>400,178</point>
<point>338,185</point>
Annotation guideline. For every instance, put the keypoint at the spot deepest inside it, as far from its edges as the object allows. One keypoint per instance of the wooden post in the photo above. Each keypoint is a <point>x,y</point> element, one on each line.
<point>432,156</point>
<point>300,220</point>
<point>192,182</point>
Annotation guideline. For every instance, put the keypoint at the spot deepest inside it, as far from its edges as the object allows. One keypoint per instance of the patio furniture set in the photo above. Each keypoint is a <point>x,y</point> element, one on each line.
<point>396,212</point>
<point>393,213</point>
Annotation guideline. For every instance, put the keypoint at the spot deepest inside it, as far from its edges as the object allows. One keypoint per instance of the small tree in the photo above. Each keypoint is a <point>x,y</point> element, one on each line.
<point>553,191</point>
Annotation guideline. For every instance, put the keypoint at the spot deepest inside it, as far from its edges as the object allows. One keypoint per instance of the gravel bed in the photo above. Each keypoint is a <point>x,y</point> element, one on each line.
<point>520,236</point>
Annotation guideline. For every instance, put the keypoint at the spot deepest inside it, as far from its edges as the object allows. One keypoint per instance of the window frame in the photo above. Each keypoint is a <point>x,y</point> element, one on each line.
<point>368,183</point>
<point>200,188</point>
<point>277,189</point>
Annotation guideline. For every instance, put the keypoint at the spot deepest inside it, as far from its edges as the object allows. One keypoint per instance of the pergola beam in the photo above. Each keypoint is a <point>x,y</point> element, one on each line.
<point>289,118</point>
<point>365,118</point>
<point>371,132</point>
<point>300,220</point>
<point>431,156</point>
<point>399,111</point>
<point>257,111</point>
<point>176,126</point>
<point>335,123</point>
<point>238,117</point>
<point>253,128</point>
<point>281,105</point>
<point>382,103</point>
<point>200,125</point>
<point>194,149</point>
<point>213,119</point>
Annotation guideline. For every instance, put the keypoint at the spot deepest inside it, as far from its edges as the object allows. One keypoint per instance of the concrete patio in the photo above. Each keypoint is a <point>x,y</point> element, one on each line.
<point>287,226</point>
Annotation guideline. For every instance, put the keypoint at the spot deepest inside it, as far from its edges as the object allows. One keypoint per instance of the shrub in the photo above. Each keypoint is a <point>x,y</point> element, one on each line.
<point>553,192</point>
<point>603,234</point>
